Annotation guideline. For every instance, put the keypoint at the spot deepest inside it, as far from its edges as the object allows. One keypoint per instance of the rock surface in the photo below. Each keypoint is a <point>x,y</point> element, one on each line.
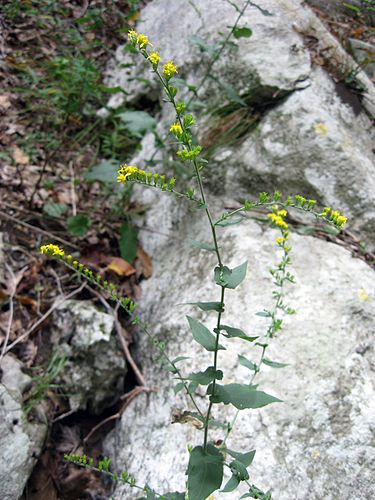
<point>319,443</point>
<point>20,441</point>
<point>312,136</point>
<point>95,367</point>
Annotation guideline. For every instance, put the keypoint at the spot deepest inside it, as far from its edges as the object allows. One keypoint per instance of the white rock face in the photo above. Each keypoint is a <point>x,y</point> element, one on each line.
<point>20,441</point>
<point>319,442</point>
<point>315,141</point>
<point>95,367</point>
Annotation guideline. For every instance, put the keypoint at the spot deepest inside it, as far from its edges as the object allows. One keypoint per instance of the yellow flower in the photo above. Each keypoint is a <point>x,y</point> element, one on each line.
<point>126,171</point>
<point>278,221</point>
<point>176,129</point>
<point>51,249</point>
<point>282,213</point>
<point>142,41</point>
<point>169,69</point>
<point>154,57</point>
<point>341,220</point>
<point>280,240</point>
<point>321,129</point>
<point>132,36</point>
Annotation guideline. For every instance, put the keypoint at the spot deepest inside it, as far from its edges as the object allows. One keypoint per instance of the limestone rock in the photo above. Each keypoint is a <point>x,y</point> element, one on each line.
<point>319,442</point>
<point>312,136</point>
<point>95,367</point>
<point>20,441</point>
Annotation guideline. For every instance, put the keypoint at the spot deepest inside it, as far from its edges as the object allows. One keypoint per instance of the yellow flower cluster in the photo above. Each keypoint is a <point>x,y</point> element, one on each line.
<point>154,57</point>
<point>278,218</point>
<point>338,219</point>
<point>142,41</point>
<point>126,171</point>
<point>51,249</point>
<point>169,69</point>
<point>176,129</point>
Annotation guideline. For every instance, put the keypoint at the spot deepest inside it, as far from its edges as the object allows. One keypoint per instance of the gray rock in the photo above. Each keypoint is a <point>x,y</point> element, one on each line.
<point>20,441</point>
<point>319,442</point>
<point>95,368</point>
<point>314,138</point>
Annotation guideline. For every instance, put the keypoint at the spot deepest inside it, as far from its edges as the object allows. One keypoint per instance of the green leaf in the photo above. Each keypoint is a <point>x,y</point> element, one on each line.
<point>206,377</point>
<point>174,496</point>
<point>239,469</point>
<point>231,484</point>
<point>178,387</point>
<point>78,225</point>
<point>211,50</point>
<point>228,222</point>
<point>128,242</point>
<point>202,245</point>
<point>111,90</point>
<point>208,306</point>
<point>241,396</point>
<point>236,332</point>
<point>273,364</point>
<point>205,472</point>
<point>232,95</point>
<point>55,209</point>
<point>354,8</point>
<point>242,32</point>
<point>105,171</point>
<point>180,358</point>
<point>138,122</point>
<point>245,362</point>
<point>245,458</point>
<point>230,278</point>
<point>202,335</point>
<point>264,314</point>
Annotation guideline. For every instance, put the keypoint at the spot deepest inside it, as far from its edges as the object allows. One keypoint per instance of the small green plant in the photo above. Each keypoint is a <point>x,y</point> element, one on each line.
<point>207,460</point>
<point>43,383</point>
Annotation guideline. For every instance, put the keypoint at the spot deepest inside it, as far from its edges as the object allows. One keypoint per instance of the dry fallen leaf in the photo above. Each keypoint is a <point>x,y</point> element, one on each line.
<point>121,267</point>
<point>20,157</point>
<point>4,102</point>
<point>145,262</point>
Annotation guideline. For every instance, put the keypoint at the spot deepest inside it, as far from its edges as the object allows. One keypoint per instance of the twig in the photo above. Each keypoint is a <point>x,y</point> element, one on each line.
<point>38,230</point>
<point>72,189</point>
<point>129,397</point>
<point>56,304</point>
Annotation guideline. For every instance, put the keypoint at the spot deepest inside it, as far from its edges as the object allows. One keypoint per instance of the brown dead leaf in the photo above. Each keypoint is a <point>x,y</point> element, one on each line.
<point>29,353</point>
<point>145,262</point>
<point>20,157</point>
<point>120,266</point>
<point>4,102</point>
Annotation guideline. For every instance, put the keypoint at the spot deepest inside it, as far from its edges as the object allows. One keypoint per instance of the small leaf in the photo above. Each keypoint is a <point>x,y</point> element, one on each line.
<point>111,90</point>
<point>105,171</point>
<point>242,32</point>
<point>203,45</point>
<point>78,225</point>
<point>239,469</point>
<point>202,335</point>
<point>178,387</point>
<point>264,314</point>
<point>202,245</point>
<point>180,358</point>
<point>128,242</point>
<point>230,278</point>
<point>241,396</point>
<point>206,377</point>
<point>205,472</point>
<point>174,496</point>
<point>228,222</point>
<point>245,458</point>
<point>236,332</point>
<point>55,209</point>
<point>138,122</point>
<point>208,306</point>
<point>273,364</point>
<point>245,362</point>
<point>231,484</point>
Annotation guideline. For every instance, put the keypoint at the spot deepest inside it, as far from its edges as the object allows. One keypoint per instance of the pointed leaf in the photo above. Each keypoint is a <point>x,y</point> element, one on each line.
<point>205,472</point>
<point>242,32</point>
<point>273,364</point>
<point>241,396</point>
<point>236,332</point>
<point>202,335</point>
<point>203,246</point>
<point>206,377</point>
<point>239,469</point>
<point>208,306</point>
<point>228,222</point>
<point>230,278</point>
<point>245,458</point>
<point>178,387</point>
<point>179,358</point>
<point>231,484</point>
<point>128,242</point>
<point>246,363</point>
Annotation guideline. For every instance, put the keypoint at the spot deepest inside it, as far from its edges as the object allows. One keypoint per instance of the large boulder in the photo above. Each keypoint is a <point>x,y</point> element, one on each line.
<point>311,136</point>
<point>21,441</point>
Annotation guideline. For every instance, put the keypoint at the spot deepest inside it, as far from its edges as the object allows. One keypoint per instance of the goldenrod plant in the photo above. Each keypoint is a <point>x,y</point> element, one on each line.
<point>208,459</point>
